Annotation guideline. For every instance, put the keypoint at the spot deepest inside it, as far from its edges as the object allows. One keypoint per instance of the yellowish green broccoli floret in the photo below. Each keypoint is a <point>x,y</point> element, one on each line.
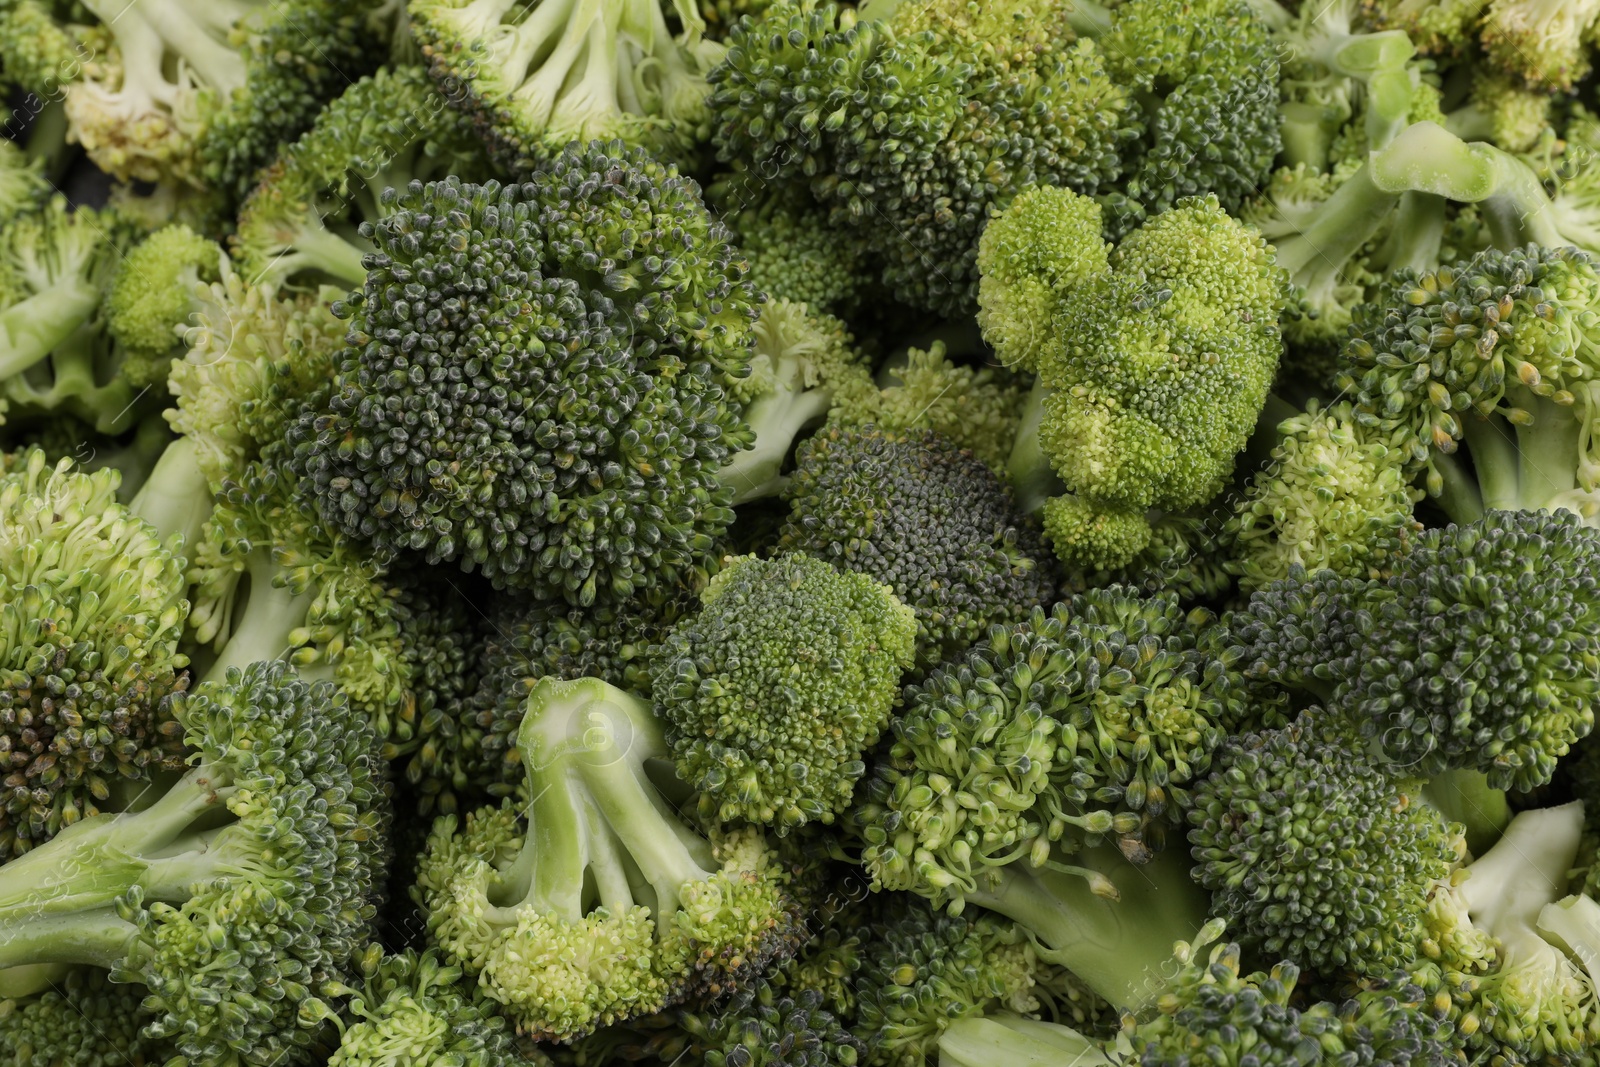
<point>775,690</point>
<point>411,1010</point>
<point>593,901</point>
<point>152,297</point>
<point>1153,372</point>
<point>1542,41</point>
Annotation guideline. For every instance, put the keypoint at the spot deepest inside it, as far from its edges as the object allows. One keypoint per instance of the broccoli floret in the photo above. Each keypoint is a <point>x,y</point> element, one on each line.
<point>549,408</point>
<point>152,297</point>
<point>242,896</point>
<point>1331,497</point>
<point>1438,27</point>
<point>968,104</point>
<point>535,77</point>
<point>930,521</point>
<point>1208,1014</point>
<point>1132,417</point>
<point>83,1020</point>
<point>93,609</point>
<point>1025,776</point>
<point>1502,110</point>
<point>1541,41</point>
<point>1316,853</point>
<point>409,1009</point>
<point>760,1026</point>
<point>805,365</point>
<point>1500,352</point>
<point>594,902</point>
<point>205,95</point>
<point>1474,654</point>
<point>771,694</point>
<point>303,217</point>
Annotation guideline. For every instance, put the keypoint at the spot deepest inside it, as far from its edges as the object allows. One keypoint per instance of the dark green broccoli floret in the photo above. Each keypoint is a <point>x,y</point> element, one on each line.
<point>1316,853</point>
<point>774,690</point>
<point>83,1020</point>
<point>762,1027</point>
<point>91,611</point>
<point>595,902</point>
<point>536,387</point>
<point>1477,653</point>
<point>241,898</point>
<point>931,521</point>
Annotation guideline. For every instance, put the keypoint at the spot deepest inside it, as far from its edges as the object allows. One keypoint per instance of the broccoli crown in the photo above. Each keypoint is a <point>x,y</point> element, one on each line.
<point>1481,651</point>
<point>775,689</point>
<point>595,902</point>
<point>1210,1015</point>
<point>411,1010</point>
<point>93,609</point>
<point>535,80</point>
<point>1438,27</point>
<point>153,293</point>
<point>1205,75</point>
<point>1448,354</point>
<point>1152,368</point>
<point>931,521</point>
<point>948,141</point>
<point>552,639</point>
<point>759,1026</point>
<point>1543,42</point>
<point>536,380</point>
<point>1314,853</point>
<point>1331,498</point>
<point>1088,723</point>
<point>84,1020</point>
<point>922,969</point>
<point>383,131</point>
<point>241,897</point>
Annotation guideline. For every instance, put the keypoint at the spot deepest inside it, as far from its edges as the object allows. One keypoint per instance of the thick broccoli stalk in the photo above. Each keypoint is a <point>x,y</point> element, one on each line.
<point>1330,497</point>
<point>93,609</point>
<point>254,870</point>
<point>1131,420</point>
<point>152,297</point>
<point>1500,352</point>
<point>805,364</point>
<point>383,132</point>
<point>1025,776</point>
<point>928,520</point>
<point>1269,873</point>
<point>1502,611</point>
<point>774,691</point>
<point>594,902</point>
<point>536,77</point>
<point>550,407</point>
<point>410,1009</point>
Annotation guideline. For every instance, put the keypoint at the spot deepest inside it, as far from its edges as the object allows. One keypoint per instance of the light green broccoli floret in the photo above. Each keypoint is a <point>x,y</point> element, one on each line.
<point>1502,109</point>
<point>1154,374</point>
<point>774,691</point>
<point>152,296</point>
<point>596,902</point>
<point>1541,41</point>
<point>84,1020</point>
<point>411,1011</point>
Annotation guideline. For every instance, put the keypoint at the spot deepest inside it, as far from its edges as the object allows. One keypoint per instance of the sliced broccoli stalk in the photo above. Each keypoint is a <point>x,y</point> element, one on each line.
<point>1108,922</point>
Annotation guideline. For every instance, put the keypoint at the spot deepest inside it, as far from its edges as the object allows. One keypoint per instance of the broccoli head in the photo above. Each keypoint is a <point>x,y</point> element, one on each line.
<point>593,902</point>
<point>774,690</point>
<point>152,297</point>
<point>925,518</point>
<point>241,898</point>
<point>1481,651</point>
<point>537,382</point>
<point>83,1020</point>
<point>1152,366</point>
<point>93,609</point>
<point>409,1009</point>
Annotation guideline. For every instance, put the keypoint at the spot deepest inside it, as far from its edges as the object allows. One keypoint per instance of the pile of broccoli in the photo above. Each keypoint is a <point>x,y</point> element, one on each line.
<point>800,533</point>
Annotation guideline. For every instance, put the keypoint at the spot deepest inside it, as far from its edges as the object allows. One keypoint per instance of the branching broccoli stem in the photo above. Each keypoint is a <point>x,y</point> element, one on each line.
<point>232,881</point>
<point>58,258</point>
<point>596,902</point>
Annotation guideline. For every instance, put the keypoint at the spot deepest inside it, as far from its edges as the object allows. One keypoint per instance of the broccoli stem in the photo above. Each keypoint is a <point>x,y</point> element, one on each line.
<point>272,612</point>
<point>777,419</point>
<point>109,408</point>
<point>316,247</point>
<point>985,1041</point>
<point>1466,797</point>
<point>1033,479</point>
<point>1307,135</point>
<point>1528,466</point>
<point>31,329</point>
<point>1116,947</point>
<point>175,497</point>
<point>96,938</point>
<point>1509,886</point>
<point>1457,492</point>
<point>1415,233</point>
